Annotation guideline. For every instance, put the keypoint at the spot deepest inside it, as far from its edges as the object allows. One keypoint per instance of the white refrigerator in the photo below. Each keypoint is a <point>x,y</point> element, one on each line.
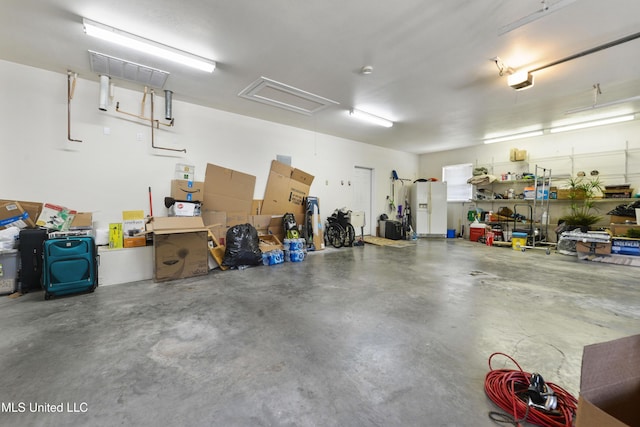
<point>429,208</point>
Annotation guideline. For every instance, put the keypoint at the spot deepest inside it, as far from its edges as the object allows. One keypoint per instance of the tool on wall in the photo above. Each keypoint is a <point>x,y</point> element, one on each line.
<point>71,87</point>
<point>154,123</point>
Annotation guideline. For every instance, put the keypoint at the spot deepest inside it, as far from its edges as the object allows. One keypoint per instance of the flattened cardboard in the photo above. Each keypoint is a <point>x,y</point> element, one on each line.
<point>82,221</point>
<point>260,223</point>
<point>188,191</point>
<point>32,208</point>
<point>227,190</point>
<point>286,190</point>
<point>217,223</point>
<point>610,384</point>
<point>236,218</point>
<point>593,247</point>
<point>175,224</point>
<point>13,215</point>
<point>256,207</point>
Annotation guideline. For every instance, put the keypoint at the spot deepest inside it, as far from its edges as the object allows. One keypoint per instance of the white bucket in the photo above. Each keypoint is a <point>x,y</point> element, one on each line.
<point>637,216</point>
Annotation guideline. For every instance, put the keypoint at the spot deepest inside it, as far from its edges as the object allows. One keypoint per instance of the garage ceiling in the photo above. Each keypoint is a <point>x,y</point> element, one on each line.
<point>433,69</point>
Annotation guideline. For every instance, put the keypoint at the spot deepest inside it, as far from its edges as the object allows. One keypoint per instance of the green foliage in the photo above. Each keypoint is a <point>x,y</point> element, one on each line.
<point>633,233</point>
<point>582,192</point>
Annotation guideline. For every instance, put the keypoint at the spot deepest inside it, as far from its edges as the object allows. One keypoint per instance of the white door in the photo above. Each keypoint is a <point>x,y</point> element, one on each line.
<point>362,196</point>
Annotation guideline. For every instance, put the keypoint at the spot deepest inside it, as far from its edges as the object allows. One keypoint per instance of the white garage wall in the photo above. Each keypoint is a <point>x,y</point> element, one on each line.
<point>109,173</point>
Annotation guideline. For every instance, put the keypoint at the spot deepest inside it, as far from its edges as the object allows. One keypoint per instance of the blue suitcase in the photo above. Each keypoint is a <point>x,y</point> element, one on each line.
<point>70,265</point>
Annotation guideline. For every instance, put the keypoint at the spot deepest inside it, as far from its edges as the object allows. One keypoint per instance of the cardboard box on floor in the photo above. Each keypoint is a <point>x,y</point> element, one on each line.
<point>226,190</point>
<point>286,190</point>
<point>610,384</point>
<point>180,247</point>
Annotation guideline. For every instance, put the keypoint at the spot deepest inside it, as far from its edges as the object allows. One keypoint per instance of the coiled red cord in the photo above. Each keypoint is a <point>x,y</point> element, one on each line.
<point>507,388</point>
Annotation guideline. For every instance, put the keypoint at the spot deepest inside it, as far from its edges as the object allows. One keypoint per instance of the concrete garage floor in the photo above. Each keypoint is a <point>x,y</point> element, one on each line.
<point>363,336</point>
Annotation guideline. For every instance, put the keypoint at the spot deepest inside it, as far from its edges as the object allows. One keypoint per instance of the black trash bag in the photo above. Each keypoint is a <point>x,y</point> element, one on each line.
<point>243,246</point>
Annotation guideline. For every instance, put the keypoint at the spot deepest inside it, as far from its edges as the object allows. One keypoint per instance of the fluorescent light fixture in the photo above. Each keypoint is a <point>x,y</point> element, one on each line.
<point>603,105</point>
<point>132,41</point>
<point>514,136</point>
<point>593,123</point>
<point>546,10</point>
<point>520,80</point>
<point>370,118</point>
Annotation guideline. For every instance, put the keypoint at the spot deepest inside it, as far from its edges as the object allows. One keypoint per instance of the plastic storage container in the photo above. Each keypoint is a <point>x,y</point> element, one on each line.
<point>518,241</point>
<point>9,266</point>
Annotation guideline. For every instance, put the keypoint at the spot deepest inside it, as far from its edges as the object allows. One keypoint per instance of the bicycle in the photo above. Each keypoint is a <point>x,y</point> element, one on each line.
<point>339,232</point>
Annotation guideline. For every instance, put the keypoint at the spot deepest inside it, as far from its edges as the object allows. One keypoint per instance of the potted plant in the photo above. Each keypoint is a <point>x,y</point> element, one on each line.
<point>582,193</point>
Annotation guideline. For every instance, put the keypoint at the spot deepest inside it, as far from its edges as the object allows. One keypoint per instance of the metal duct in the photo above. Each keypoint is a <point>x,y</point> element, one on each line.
<point>104,93</point>
<point>168,98</point>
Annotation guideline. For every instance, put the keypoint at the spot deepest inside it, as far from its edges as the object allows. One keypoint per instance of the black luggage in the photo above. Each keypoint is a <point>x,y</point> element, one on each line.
<point>70,266</point>
<point>30,245</point>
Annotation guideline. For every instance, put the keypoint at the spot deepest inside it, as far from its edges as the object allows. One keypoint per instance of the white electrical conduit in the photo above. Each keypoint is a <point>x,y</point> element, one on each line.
<point>70,90</point>
<point>104,93</point>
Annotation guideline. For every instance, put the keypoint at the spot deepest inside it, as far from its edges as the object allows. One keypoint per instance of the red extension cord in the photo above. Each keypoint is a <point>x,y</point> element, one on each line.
<point>507,388</point>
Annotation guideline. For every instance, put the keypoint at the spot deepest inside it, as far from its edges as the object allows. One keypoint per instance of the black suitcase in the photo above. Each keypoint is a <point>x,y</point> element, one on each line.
<point>30,245</point>
<point>70,266</point>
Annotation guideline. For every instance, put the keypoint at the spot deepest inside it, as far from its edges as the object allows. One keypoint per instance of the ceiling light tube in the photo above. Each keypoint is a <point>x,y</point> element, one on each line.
<point>370,118</point>
<point>514,136</point>
<point>593,123</point>
<point>132,41</point>
<point>603,105</point>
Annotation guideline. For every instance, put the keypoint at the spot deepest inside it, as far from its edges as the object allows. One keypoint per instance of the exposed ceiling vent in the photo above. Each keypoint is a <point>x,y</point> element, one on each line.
<point>280,95</point>
<point>126,70</point>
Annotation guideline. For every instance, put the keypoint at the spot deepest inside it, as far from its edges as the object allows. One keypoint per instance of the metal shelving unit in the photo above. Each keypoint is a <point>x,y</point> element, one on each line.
<point>542,183</point>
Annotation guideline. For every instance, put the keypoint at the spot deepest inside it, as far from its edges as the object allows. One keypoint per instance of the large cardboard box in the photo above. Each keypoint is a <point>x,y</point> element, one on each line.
<point>13,215</point>
<point>286,190</point>
<point>610,384</point>
<point>188,191</point>
<point>180,247</point>
<point>227,190</point>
